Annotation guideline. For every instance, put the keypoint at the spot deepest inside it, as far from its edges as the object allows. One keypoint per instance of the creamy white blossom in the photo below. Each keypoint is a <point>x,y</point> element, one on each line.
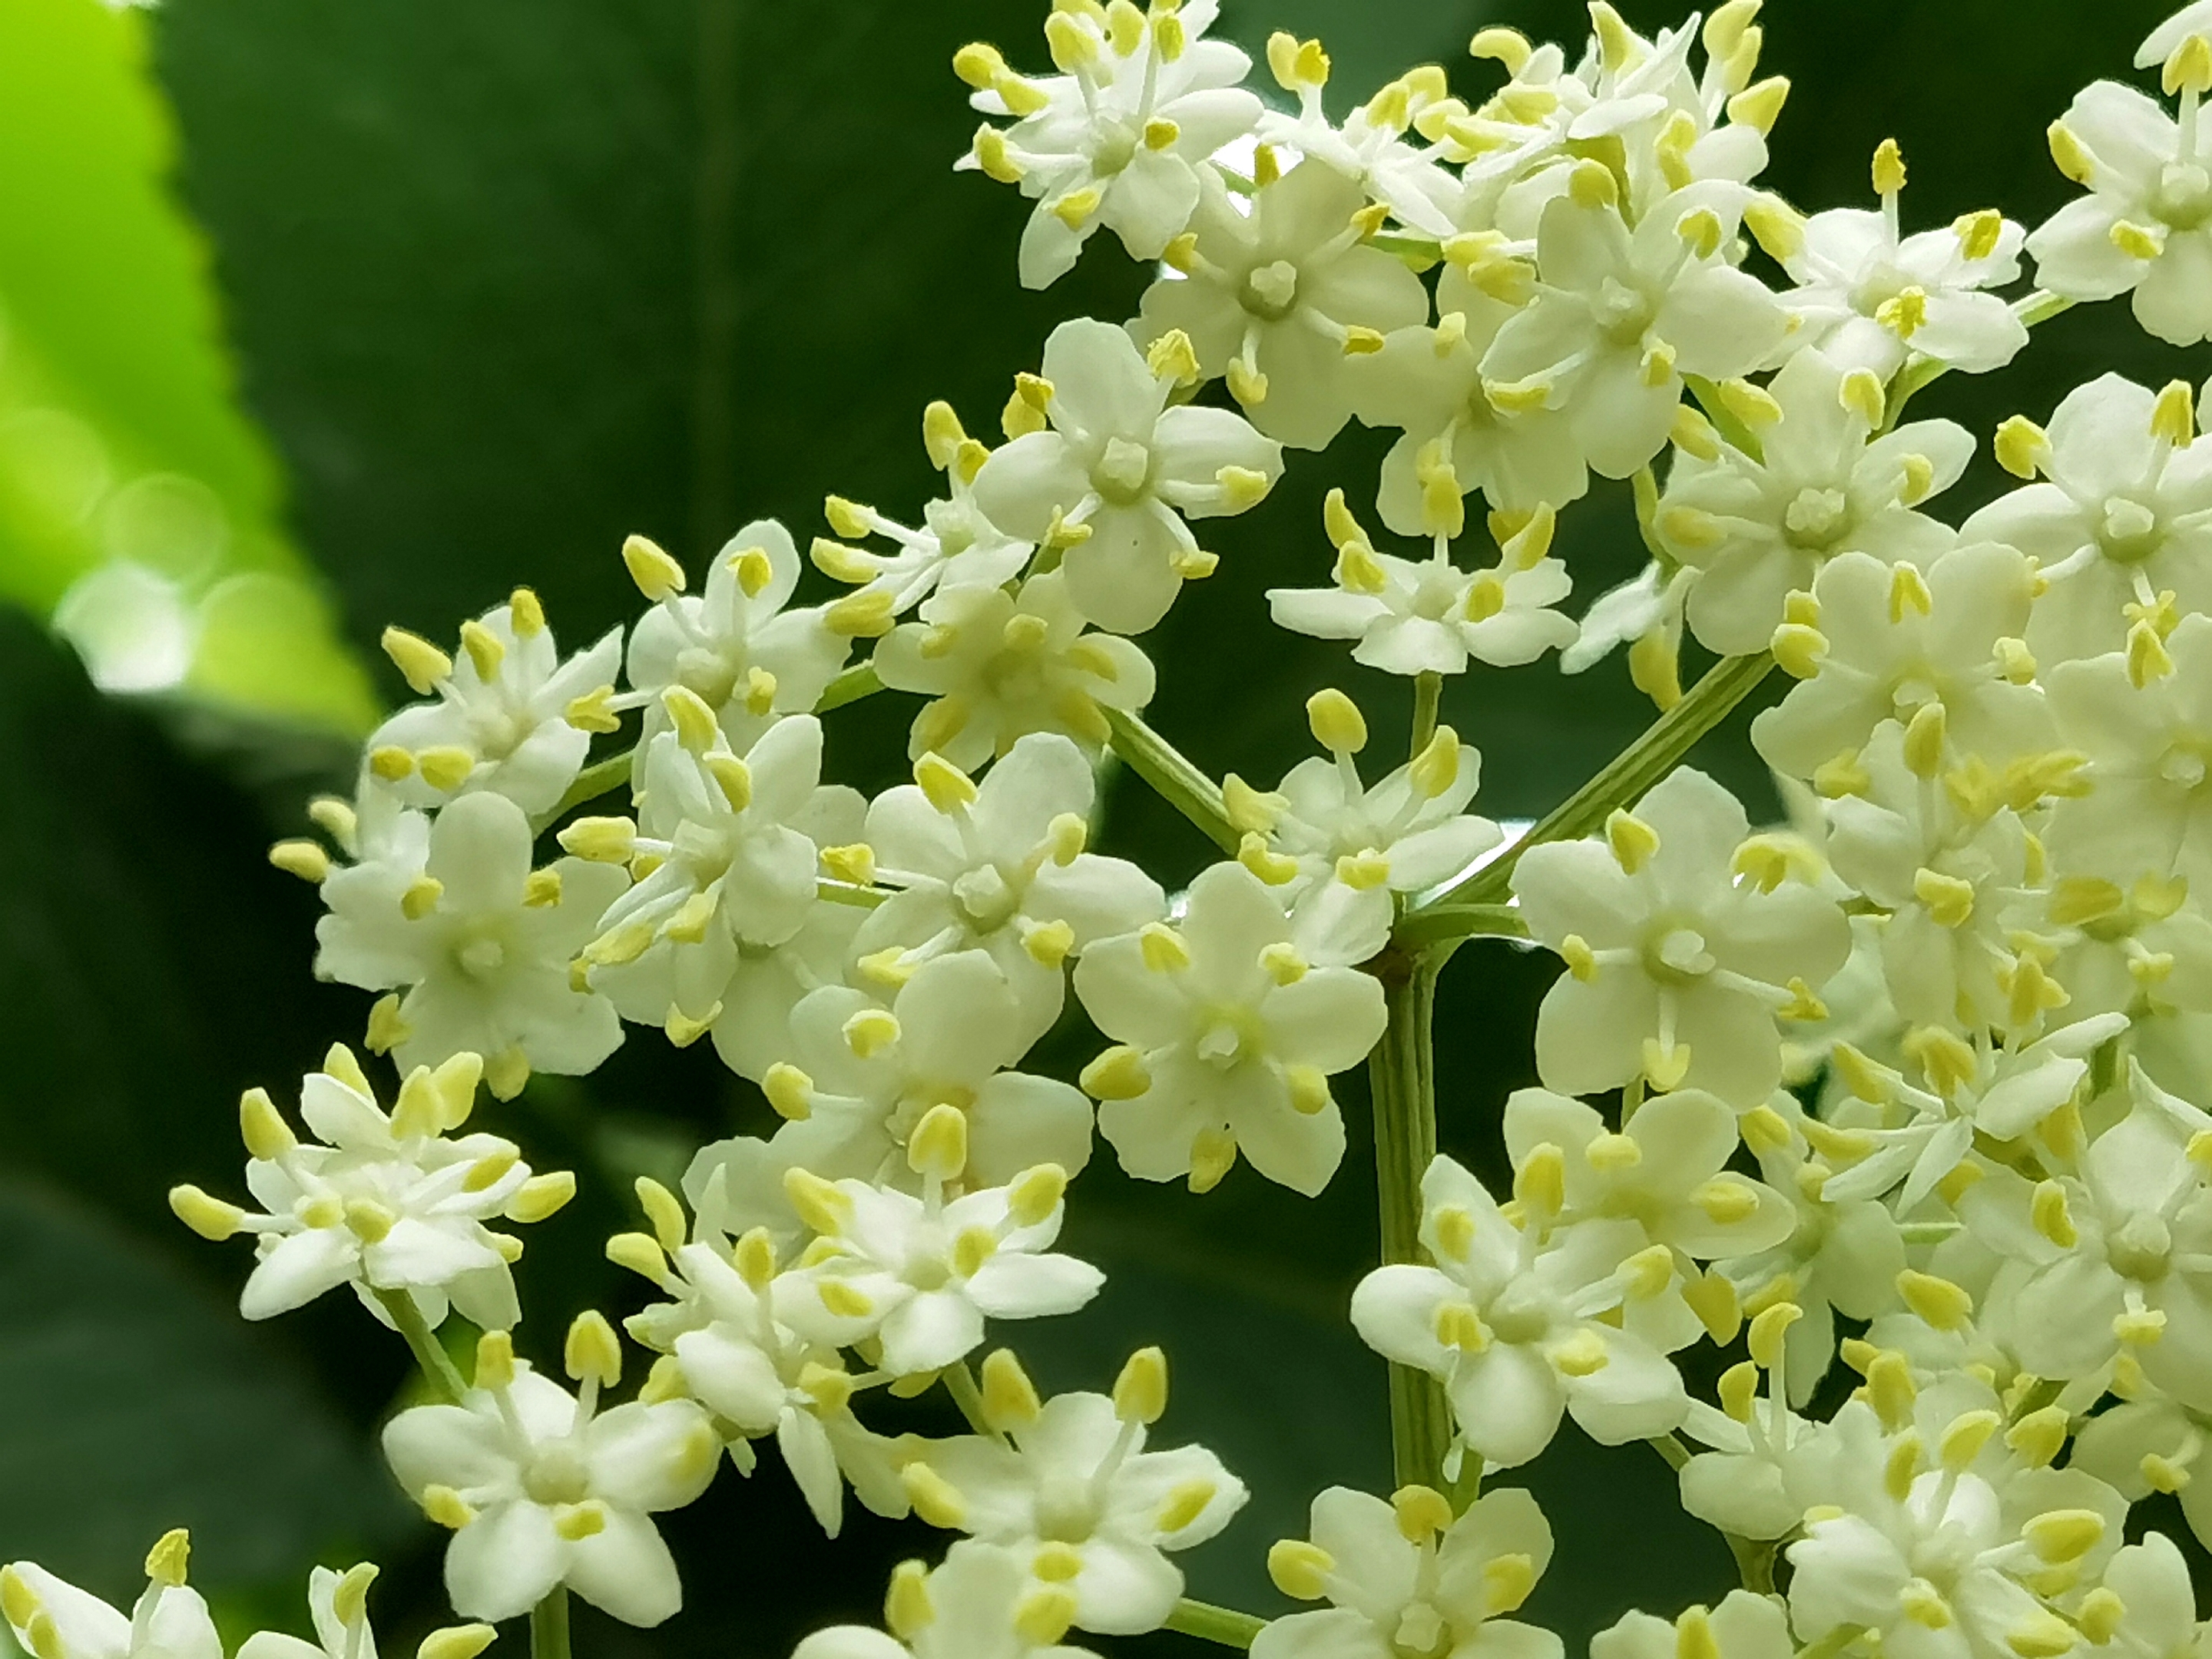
<point>980,1603</point>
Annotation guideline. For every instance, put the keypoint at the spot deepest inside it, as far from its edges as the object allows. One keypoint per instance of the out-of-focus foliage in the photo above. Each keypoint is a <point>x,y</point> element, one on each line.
<point>508,280</point>
<point>123,450</point>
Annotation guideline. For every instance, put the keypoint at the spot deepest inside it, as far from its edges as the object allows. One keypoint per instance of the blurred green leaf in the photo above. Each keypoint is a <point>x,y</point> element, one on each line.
<point>120,437</point>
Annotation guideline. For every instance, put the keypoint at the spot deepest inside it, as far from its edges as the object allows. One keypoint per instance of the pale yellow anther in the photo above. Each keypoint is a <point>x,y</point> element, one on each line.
<point>1042,1618</point>
<point>1582,1354</point>
<point>1422,1512</point>
<point>869,1031</point>
<point>641,1253</point>
<point>1609,1153</point>
<point>2051,1217</point>
<point>1520,396</point>
<point>2100,1614</point>
<point>262,1127</point>
<point>1754,406</point>
<point>1923,1604</point>
<point>866,615</point>
<point>1939,1302</point>
<point>1457,1325</point>
<point>1702,230</point>
<point>1693,1636</point>
<point>1888,169</point>
<point>166,1563</point>
<point>979,64</point>
<point>1035,1193</point>
<point>1665,1067</point>
<point>935,1499</point>
<point>1241,487</point>
<point>1777,228</point>
<point>1140,1391</point>
<point>1924,736</point>
<point>1649,1272</point>
<point>2037,1439</point>
<point>1633,842</point>
<point>1965,1436</point>
<point>495,1361</point>
<point>601,840</point>
<point>1902,1465</point>
<point>1618,46</point>
<point>444,1507</point>
<point>1540,1183</point>
<point>2139,1326</point>
<point>820,1205</point>
<point>1861,394</point>
<point>591,1350</point>
<point>2059,1535</point>
<point>1799,649</point>
<point>1118,1073</point>
<point>1185,1503</point>
<point>1246,384</point>
<point>2023,448</point>
<point>1361,342</point>
<point>1580,960</point>
<point>938,1148</point>
<point>210,1217</point>
<point>2188,67</point>
<point>543,1195</point>
<point>457,1642</point>
<point>1979,234</point>
<point>1768,1329</point>
<point>656,573</point>
<point>1693,435</point>
<point>1162,948</point>
<point>1301,1570</point>
<point>1508,46</point>
<point>1309,1088</point>
<point>1455,1231</point>
<point>1364,871</point>
<point>843,1300</point>
<point>1905,314</point>
<point>420,663</point>
<point>1739,1388</point>
<point>1172,358</point>
<point>1760,107</point>
<point>1125,27</point>
<point>2147,659</point>
<point>2136,242</point>
<point>943,785</point>
<point>2174,417</point>
<point>1593,186</point>
<point>1276,869</point>
<point>2042,1635</point>
<point>1890,1388</point>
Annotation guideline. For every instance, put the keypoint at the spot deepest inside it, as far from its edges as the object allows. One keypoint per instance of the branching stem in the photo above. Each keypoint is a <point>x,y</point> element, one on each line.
<point>430,1356</point>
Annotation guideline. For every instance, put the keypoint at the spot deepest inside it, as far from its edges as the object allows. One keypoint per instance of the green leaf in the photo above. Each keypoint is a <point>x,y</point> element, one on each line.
<point>120,437</point>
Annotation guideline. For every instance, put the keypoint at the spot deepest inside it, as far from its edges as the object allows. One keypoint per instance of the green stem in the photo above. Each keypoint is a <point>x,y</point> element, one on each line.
<point>437,1366</point>
<point>859,681</point>
<point>960,1383</point>
<point>1921,372</point>
<point>1754,1558</point>
<point>1443,923</point>
<point>1175,781</point>
<point>548,1626</point>
<point>846,892</point>
<point>1428,698</point>
<point>1230,1628</point>
<point>1624,781</point>
<point>1402,1073</point>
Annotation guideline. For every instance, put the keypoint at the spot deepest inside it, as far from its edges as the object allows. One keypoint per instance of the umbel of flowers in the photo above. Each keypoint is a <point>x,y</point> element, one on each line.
<point>1902,1096</point>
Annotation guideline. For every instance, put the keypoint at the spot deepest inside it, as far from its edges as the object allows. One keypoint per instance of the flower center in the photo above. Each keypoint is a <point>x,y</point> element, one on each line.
<point>555,1474</point>
<point>1122,471</point>
<point>1816,518</point>
<point>2183,197</point>
<point>2129,531</point>
<point>708,672</point>
<point>2183,765</point>
<point>1066,1509</point>
<point>1222,1040</point>
<point>2139,1251</point>
<point>1622,314</point>
<point>1114,146</point>
<point>1677,956</point>
<point>1271,291</point>
<point>985,898</point>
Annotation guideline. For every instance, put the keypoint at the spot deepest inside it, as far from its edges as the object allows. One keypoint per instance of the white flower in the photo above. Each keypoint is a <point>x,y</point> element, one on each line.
<point>384,1203</point>
<point>1974,1091</point>
<point>1520,1331</point>
<point>1428,384</point>
<point>1951,870</point>
<point>1071,1489</point>
<point>480,943</point>
<point>2149,735</point>
<point>735,646</point>
<point>1759,528</point>
<point>1766,1458</point>
<point>1118,137</point>
<point>1677,967</point>
<point>919,1276</point>
<point>2126,514</point>
<point>732,865</point>
<point>338,1606</point>
<point>1871,295</point>
<point>544,1489</point>
<point>1117,472</point>
<point>511,719</point>
<point>2146,1444</point>
<point>1430,617</point>
<point>999,867</point>
<point>50,1615</point>
<point>1268,292</point>
<point>1934,1561</point>
<point>1369,149</point>
<point>2146,1605</point>
<point>1665,1170</point>
<point>1891,644</point>
<point>999,667</point>
<point>2112,1258</point>
<point>980,1603</point>
<point>1404,1577</point>
<point>2142,226</point>
<point>770,981</point>
<point>756,1375</point>
<point>1621,316</point>
<point>1839,1258</point>
<point>2159,44</point>
<point>1342,851</point>
<point>1743,1626</point>
<point>860,1077</point>
<point>1227,1040</point>
<point>955,547</point>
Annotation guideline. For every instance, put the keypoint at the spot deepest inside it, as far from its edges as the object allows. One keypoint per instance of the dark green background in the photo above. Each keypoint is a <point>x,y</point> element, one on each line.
<point>508,279</point>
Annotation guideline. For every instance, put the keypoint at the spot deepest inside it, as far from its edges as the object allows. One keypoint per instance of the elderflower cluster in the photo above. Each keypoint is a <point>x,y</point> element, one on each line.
<point>1902,1097</point>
